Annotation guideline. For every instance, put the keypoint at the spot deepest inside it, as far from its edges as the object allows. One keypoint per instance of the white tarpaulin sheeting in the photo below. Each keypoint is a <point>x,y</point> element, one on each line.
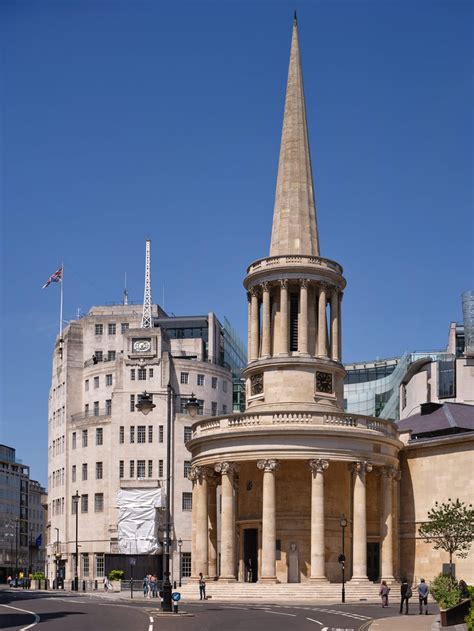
<point>138,520</point>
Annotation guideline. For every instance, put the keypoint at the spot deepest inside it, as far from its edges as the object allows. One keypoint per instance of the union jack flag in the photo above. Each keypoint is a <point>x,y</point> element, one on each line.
<point>54,278</point>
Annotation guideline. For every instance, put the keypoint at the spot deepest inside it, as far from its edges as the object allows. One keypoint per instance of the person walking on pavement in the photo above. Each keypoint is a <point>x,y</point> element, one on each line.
<point>384,592</point>
<point>145,586</point>
<point>202,587</point>
<point>423,596</point>
<point>406,594</point>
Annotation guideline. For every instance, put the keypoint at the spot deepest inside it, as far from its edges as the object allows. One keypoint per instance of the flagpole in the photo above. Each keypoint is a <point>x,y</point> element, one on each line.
<point>61,305</point>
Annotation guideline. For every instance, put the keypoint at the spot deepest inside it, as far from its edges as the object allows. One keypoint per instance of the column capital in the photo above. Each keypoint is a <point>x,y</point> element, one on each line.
<point>268,465</point>
<point>199,473</point>
<point>387,472</point>
<point>226,467</point>
<point>253,292</point>
<point>265,285</point>
<point>318,466</point>
<point>283,283</point>
<point>361,467</point>
<point>324,286</point>
<point>249,296</point>
<point>304,283</point>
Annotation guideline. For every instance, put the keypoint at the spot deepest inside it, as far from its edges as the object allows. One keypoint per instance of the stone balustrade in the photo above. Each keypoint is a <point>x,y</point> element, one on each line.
<point>313,261</point>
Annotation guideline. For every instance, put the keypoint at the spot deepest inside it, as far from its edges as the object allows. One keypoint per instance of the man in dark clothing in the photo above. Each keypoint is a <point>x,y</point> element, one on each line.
<point>406,594</point>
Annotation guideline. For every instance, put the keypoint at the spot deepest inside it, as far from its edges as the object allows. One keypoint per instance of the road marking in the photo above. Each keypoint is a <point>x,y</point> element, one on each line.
<point>151,620</point>
<point>32,613</point>
<point>280,613</point>
<point>316,621</point>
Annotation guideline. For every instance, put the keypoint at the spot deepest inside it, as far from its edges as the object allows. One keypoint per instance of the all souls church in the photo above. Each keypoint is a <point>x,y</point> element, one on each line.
<point>274,486</point>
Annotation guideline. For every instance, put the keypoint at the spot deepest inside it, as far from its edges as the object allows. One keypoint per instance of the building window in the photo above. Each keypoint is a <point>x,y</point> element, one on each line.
<point>150,433</point>
<point>132,468</point>
<point>84,471</point>
<point>84,437</point>
<point>108,380</point>
<point>124,327</point>
<point>73,473</point>
<point>214,408</point>
<point>142,374</point>
<point>99,565</point>
<point>214,382</point>
<point>187,501</point>
<point>112,328</point>
<point>84,503</point>
<point>74,440</point>
<point>150,468</point>
<point>111,355</point>
<point>132,433</point>
<point>141,434</point>
<point>140,468</point>
<point>150,373</point>
<point>86,409</point>
<point>96,382</point>
<point>160,468</point>
<point>160,433</point>
<point>99,436</point>
<point>184,377</point>
<point>187,467</point>
<point>98,502</point>
<point>73,506</point>
<point>186,564</point>
<point>132,403</point>
<point>132,374</point>
<point>85,565</point>
<point>121,469</point>
<point>188,433</point>
<point>108,406</point>
<point>224,385</point>
<point>200,380</point>
<point>96,408</point>
<point>99,470</point>
<point>99,329</point>
<point>404,396</point>
<point>98,356</point>
<point>121,434</point>
<point>86,384</point>
<point>224,408</point>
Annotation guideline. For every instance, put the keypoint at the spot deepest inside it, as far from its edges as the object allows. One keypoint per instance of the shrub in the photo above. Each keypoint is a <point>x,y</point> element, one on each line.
<point>469,619</point>
<point>39,576</point>
<point>116,575</point>
<point>445,591</point>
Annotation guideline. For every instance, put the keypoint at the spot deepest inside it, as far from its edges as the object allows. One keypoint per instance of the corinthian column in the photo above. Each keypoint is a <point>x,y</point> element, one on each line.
<point>212,506</point>
<point>386,523</point>
<point>359,533</point>
<point>254,341</point>
<point>199,477</point>
<point>266,320</point>
<point>227,470</point>
<point>335,326</point>
<point>303,322</point>
<point>268,521</point>
<point>318,568</point>
<point>284,317</point>
<point>322,326</point>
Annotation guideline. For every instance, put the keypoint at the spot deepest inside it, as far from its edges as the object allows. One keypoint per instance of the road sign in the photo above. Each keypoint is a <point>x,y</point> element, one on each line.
<point>133,561</point>
<point>176,596</point>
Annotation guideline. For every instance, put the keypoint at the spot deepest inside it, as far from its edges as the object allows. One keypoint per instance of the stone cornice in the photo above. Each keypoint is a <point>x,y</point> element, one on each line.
<point>301,361</point>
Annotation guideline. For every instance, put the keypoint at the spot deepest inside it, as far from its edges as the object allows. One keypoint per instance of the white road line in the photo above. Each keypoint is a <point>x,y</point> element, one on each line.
<point>151,620</point>
<point>280,613</point>
<point>32,613</point>
<point>150,627</point>
<point>316,621</point>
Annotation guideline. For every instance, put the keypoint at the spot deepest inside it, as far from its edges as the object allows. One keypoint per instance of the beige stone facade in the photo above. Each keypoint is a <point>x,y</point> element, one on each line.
<point>293,464</point>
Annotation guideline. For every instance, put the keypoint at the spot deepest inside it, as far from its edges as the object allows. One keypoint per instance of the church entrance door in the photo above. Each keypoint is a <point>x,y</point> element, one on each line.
<point>373,561</point>
<point>251,555</point>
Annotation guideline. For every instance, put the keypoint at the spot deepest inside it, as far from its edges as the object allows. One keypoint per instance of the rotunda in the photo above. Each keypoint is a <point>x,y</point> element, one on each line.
<point>288,468</point>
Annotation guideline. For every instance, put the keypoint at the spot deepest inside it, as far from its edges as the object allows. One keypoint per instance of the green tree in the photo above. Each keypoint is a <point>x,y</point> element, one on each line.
<point>450,528</point>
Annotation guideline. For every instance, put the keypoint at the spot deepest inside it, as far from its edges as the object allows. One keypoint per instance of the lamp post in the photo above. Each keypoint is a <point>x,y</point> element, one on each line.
<point>180,545</point>
<point>145,405</point>
<point>75,499</point>
<point>342,557</point>
<point>16,545</point>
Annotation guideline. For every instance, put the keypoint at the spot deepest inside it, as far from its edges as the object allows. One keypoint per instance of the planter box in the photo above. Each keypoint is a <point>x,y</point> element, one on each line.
<point>116,585</point>
<point>455,615</point>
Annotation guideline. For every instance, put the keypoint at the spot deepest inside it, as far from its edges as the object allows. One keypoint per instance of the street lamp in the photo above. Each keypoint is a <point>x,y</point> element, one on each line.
<point>342,558</point>
<point>75,499</point>
<point>145,403</point>
<point>17,520</point>
<point>192,406</point>
<point>180,545</point>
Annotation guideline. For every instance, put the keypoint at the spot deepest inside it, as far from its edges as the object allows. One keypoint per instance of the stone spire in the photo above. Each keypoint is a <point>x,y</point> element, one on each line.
<point>294,217</point>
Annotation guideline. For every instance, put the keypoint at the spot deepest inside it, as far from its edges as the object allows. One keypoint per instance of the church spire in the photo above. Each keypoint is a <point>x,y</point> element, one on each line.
<point>294,217</point>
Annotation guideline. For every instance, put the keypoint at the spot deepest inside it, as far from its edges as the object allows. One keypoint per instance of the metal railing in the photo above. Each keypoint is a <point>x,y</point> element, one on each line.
<point>92,414</point>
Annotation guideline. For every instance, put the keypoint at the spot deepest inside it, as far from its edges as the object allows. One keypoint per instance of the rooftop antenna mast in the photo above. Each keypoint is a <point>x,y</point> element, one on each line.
<point>146,318</point>
<point>125,291</point>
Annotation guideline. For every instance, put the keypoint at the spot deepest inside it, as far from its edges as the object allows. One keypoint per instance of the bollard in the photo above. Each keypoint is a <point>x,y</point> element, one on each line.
<point>174,584</point>
<point>175,607</point>
<point>83,586</point>
<point>96,586</point>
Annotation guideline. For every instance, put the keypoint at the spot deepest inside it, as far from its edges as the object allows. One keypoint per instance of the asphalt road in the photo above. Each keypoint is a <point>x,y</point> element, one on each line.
<point>21,611</point>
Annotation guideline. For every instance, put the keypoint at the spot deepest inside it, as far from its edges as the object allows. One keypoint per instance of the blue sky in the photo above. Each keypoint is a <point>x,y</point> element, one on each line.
<point>123,121</point>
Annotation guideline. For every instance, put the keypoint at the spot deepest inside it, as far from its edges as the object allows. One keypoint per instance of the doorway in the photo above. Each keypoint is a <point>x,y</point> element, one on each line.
<point>373,561</point>
<point>251,555</point>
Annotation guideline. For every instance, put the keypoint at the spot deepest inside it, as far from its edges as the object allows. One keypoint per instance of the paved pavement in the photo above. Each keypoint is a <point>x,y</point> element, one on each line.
<point>57,611</point>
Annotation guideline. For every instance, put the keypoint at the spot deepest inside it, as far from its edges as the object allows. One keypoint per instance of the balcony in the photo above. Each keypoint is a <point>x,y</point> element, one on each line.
<point>93,415</point>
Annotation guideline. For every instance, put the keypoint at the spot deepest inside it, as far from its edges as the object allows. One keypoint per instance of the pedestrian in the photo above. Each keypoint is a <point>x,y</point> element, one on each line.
<point>202,587</point>
<point>423,596</point>
<point>9,580</point>
<point>384,592</point>
<point>463,588</point>
<point>406,594</point>
<point>145,586</point>
<point>154,586</point>
<point>106,584</point>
